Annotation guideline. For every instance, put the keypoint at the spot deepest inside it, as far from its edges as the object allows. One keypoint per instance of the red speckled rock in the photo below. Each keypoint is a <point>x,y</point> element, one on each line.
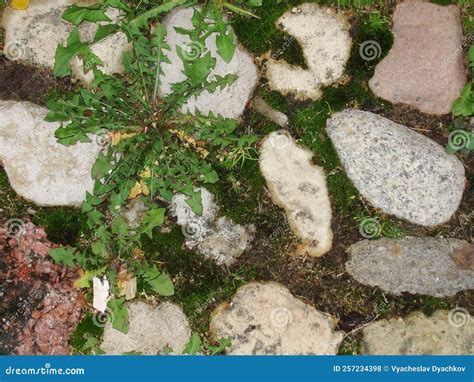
<point>39,305</point>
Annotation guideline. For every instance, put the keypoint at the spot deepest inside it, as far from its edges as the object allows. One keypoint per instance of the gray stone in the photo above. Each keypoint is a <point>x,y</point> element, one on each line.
<point>276,116</point>
<point>38,167</point>
<point>428,265</point>
<point>152,330</point>
<point>396,169</point>
<point>265,319</point>
<point>324,38</point>
<point>33,35</point>
<point>425,66</point>
<point>217,238</point>
<point>298,186</point>
<point>444,333</point>
<point>230,102</point>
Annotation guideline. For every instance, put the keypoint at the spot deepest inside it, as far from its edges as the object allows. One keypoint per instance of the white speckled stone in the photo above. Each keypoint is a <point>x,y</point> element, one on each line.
<point>416,265</point>
<point>38,167</point>
<point>444,333</point>
<point>229,102</point>
<point>324,38</point>
<point>397,169</point>
<point>217,238</point>
<point>152,330</point>
<point>33,35</point>
<point>265,319</point>
<point>300,188</point>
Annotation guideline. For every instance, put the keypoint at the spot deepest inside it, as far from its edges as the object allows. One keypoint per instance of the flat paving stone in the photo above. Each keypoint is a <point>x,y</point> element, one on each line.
<point>229,102</point>
<point>152,330</point>
<point>217,238</point>
<point>323,35</point>
<point>265,319</point>
<point>298,186</point>
<point>430,266</point>
<point>444,333</point>
<point>32,36</point>
<point>38,167</point>
<point>397,169</point>
<point>425,67</point>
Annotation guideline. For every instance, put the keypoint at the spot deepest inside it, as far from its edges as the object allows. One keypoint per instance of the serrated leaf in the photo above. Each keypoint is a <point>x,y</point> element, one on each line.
<point>153,218</point>
<point>63,255</point>
<point>85,278</point>
<point>64,54</point>
<point>119,314</point>
<point>76,14</point>
<point>195,202</point>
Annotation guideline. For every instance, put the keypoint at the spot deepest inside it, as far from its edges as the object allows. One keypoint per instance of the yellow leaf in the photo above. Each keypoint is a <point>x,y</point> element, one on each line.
<point>146,173</point>
<point>135,191</point>
<point>144,187</point>
<point>20,4</point>
<point>85,278</point>
<point>118,136</point>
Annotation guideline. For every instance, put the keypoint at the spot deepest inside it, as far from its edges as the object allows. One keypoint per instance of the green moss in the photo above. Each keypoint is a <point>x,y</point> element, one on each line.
<point>431,304</point>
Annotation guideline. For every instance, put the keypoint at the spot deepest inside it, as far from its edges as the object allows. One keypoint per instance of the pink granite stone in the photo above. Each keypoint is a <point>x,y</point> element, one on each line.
<point>425,67</point>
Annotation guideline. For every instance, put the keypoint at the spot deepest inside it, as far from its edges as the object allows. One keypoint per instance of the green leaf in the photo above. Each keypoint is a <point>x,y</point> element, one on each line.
<point>193,346</point>
<point>195,202</point>
<point>64,55</point>
<point>76,14</point>
<point>102,166</point>
<point>119,314</point>
<point>160,282</point>
<point>163,285</point>
<point>153,218</point>
<point>119,4</point>
<point>226,45</point>
<point>84,281</point>
<point>464,105</point>
<point>141,21</point>
<point>105,31</point>
<point>63,255</point>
